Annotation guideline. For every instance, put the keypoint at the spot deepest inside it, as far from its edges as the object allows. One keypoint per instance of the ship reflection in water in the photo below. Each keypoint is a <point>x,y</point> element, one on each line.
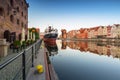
<point>52,48</point>
<point>100,48</point>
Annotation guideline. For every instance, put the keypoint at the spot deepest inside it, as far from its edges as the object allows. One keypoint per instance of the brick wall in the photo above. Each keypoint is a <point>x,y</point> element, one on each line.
<point>13,16</point>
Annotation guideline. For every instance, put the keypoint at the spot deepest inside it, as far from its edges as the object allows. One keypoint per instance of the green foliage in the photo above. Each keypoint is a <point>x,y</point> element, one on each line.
<point>28,42</point>
<point>17,43</point>
<point>23,42</point>
<point>35,32</point>
<point>37,36</point>
<point>31,41</point>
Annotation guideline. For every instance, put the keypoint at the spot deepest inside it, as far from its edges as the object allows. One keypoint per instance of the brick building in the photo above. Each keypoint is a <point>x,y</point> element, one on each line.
<point>64,33</point>
<point>13,18</point>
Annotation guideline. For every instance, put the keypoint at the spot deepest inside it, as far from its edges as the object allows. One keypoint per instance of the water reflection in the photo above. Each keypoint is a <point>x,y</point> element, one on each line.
<point>100,48</point>
<point>52,48</point>
<point>80,60</point>
<point>64,44</point>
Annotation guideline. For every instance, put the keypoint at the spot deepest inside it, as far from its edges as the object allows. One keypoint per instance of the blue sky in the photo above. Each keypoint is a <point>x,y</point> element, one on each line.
<point>73,14</point>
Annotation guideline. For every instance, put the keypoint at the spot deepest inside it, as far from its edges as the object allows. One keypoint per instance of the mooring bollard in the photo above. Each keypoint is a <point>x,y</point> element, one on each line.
<point>40,68</point>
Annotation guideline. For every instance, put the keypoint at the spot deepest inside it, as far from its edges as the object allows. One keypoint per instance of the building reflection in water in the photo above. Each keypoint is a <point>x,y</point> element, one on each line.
<point>64,44</point>
<point>100,48</point>
<point>52,48</point>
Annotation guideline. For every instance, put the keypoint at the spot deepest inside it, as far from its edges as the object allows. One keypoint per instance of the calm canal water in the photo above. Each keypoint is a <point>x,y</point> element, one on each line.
<point>75,60</point>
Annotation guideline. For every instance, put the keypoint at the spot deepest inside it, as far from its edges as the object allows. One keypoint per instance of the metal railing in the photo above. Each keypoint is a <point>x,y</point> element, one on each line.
<point>17,67</point>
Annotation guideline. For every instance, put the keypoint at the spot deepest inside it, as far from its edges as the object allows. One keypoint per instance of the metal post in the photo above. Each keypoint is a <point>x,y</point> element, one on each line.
<point>23,64</point>
<point>32,57</point>
<point>35,51</point>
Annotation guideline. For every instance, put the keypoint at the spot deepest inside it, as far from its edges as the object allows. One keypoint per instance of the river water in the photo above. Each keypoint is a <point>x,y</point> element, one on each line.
<point>76,60</point>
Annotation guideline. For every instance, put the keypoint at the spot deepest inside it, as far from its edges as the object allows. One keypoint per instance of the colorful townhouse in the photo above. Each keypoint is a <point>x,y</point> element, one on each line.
<point>64,33</point>
<point>83,33</point>
<point>96,32</point>
<point>78,36</point>
<point>71,34</point>
<point>109,31</point>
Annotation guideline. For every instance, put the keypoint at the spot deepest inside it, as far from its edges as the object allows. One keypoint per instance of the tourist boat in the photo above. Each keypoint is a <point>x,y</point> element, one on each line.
<point>50,34</point>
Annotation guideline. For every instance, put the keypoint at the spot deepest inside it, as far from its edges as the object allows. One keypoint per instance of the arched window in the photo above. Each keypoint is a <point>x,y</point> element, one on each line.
<point>11,2</point>
<point>18,21</point>
<point>12,18</point>
<point>1,12</point>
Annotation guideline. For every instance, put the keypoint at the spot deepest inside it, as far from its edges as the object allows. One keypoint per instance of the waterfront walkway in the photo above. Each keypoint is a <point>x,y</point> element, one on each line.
<point>23,65</point>
<point>33,74</point>
<point>42,58</point>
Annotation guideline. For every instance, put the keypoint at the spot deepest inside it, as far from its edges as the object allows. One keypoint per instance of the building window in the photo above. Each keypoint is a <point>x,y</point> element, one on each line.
<point>12,18</point>
<point>8,10</point>
<point>11,2</point>
<point>22,3</point>
<point>18,9</point>
<point>25,17</point>
<point>1,11</point>
<point>22,24</point>
<point>25,8</point>
<point>22,13</point>
<point>25,25</point>
<point>18,21</point>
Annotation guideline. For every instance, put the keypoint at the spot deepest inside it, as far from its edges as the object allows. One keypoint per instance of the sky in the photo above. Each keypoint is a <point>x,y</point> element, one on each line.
<point>72,14</point>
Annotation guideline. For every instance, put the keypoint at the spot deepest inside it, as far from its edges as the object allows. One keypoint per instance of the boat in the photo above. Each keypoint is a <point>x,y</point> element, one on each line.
<point>50,34</point>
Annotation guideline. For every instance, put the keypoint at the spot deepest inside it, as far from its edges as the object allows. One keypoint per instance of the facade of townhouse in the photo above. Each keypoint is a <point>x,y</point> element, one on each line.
<point>114,31</point>
<point>64,33</point>
<point>13,18</point>
<point>91,33</point>
<point>100,32</point>
<point>118,30</point>
<point>109,31</point>
<point>77,34</point>
<point>104,35</point>
<point>71,34</point>
<point>96,32</point>
<point>83,33</point>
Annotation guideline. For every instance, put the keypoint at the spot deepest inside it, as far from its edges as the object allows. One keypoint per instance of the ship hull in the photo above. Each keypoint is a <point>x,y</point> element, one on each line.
<point>50,38</point>
<point>52,35</point>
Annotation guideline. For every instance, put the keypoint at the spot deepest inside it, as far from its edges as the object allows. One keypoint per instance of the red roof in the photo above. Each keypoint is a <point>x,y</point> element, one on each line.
<point>96,28</point>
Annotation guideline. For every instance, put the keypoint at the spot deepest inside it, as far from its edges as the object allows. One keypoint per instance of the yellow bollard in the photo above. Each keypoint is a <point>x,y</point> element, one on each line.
<point>39,68</point>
